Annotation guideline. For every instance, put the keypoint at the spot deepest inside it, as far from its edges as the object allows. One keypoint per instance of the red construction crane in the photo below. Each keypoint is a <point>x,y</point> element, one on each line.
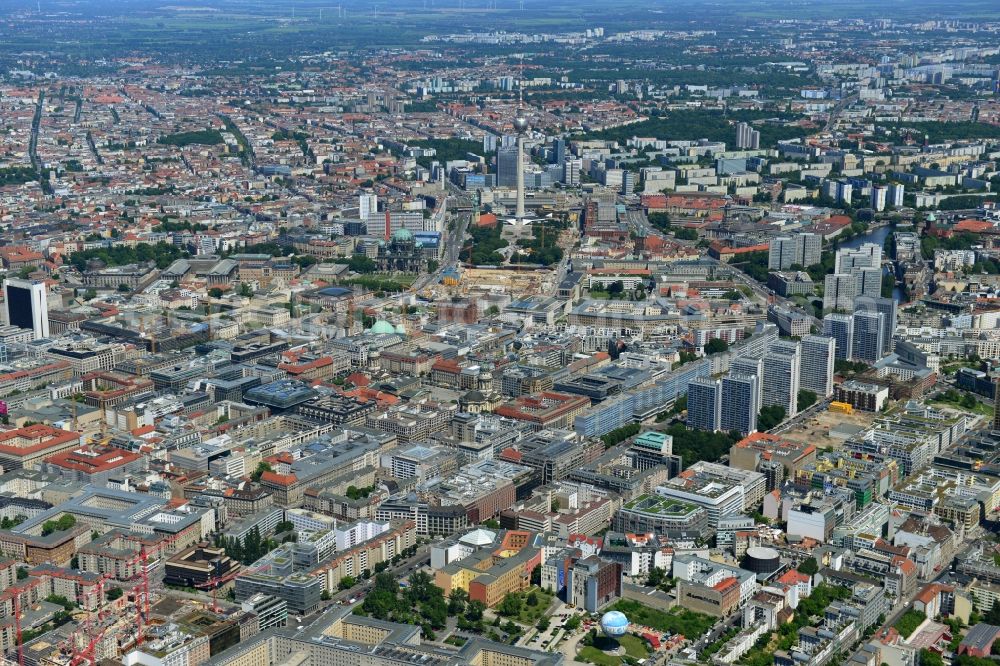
<point>142,557</point>
<point>17,591</point>
<point>101,601</point>
<point>141,594</point>
<point>17,627</point>
<point>88,653</point>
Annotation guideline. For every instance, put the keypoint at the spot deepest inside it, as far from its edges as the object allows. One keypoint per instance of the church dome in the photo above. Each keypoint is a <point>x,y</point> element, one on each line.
<point>474,396</point>
<point>382,327</point>
<point>402,235</point>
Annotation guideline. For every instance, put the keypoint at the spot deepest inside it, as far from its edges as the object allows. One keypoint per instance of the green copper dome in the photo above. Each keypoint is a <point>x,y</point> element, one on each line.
<point>402,235</point>
<point>381,327</point>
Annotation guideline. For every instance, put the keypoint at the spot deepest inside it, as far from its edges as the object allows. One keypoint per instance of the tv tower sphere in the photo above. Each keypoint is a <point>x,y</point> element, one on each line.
<point>521,124</point>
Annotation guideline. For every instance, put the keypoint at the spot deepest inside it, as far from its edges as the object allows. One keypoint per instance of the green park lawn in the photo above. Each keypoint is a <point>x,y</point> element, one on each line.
<point>635,647</point>
<point>677,621</point>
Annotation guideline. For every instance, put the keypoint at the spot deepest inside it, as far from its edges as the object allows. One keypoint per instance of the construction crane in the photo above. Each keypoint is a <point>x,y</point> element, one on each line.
<point>101,604</point>
<point>69,645</point>
<point>142,558</point>
<point>88,653</point>
<point>16,591</point>
<point>140,594</point>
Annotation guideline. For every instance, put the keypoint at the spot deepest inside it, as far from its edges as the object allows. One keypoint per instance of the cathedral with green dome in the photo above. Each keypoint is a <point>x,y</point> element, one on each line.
<point>401,253</point>
<point>382,327</point>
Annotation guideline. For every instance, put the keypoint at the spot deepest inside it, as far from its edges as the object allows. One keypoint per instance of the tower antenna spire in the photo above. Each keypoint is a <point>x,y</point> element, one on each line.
<point>521,127</point>
<point>520,84</point>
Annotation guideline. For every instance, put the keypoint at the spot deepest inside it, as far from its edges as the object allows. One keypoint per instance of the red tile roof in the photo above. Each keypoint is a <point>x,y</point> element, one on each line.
<point>793,577</point>
<point>725,584</point>
<point>974,226</point>
<point>278,479</point>
<point>91,460</point>
<point>34,438</point>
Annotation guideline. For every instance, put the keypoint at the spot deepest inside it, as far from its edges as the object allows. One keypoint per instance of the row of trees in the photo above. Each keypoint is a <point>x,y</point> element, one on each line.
<point>769,417</point>
<point>814,605</point>
<point>696,445</point>
<point>960,398</point>
<point>182,225</point>
<point>377,284</point>
<point>486,241</point>
<point>938,132</point>
<point>619,435</point>
<point>960,241</point>
<point>542,246</point>
<point>358,263</point>
<point>716,346</point>
<point>9,523</point>
<point>446,150</point>
<point>17,175</point>
<point>162,254</point>
<point>61,524</point>
<point>805,399</point>
<point>347,582</point>
<point>209,137</point>
<point>842,366</point>
<point>250,549</point>
<point>421,603</point>
<point>356,493</point>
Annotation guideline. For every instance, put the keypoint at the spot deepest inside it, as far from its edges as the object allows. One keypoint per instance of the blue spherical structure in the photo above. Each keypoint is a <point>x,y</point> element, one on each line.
<point>614,624</point>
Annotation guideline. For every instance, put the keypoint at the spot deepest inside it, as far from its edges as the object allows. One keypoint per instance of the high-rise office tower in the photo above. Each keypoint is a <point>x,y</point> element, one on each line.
<point>628,182</point>
<point>811,249</point>
<point>839,291</point>
<point>740,404</point>
<point>781,376</point>
<point>802,249</point>
<point>559,151</point>
<point>747,137</point>
<point>367,205</point>
<point>879,197</point>
<point>781,253</point>
<point>507,157</point>
<point>868,255</point>
<point>845,193</point>
<point>829,188</point>
<point>840,327</point>
<point>704,404</point>
<point>27,306</point>
<point>571,172</point>
<point>869,329</point>
<point>896,193</point>
<point>856,272</point>
<point>868,281</point>
<point>839,190</point>
<point>816,369</point>
<point>885,306</point>
<point>996,405</point>
<point>750,366</point>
